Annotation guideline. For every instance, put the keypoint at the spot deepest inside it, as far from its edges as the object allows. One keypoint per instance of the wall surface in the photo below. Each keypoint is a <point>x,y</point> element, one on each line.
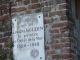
<point>60,42</point>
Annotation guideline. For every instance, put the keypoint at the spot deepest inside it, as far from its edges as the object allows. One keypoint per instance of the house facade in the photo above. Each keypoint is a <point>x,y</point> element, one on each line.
<point>61,26</point>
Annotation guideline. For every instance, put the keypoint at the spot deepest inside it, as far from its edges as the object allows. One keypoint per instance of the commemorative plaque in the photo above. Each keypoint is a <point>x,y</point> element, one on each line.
<point>28,37</point>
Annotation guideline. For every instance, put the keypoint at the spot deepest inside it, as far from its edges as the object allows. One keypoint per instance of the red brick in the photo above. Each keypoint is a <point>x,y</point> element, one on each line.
<point>63,18</point>
<point>65,50</point>
<point>71,35</point>
<point>65,44</point>
<point>18,9</point>
<point>73,40</point>
<point>63,40</point>
<point>26,2</point>
<point>13,4</point>
<point>7,45</point>
<point>34,1</point>
<point>60,45</point>
<point>56,46</point>
<point>64,12</point>
<point>63,6</point>
<point>3,7</point>
<point>55,19</point>
<point>66,18</point>
<point>11,0</point>
<point>18,0</point>
<point>5,1</point>
<point>28,12</point>
<point>0,24</point>
<point>20,3</point>
<point>6,39</point>
<point>0,46</point>
<point>73,51</point>
<point>52,14</point>
<point>7,34</point>
<point>60,24</point>
<point>34,6</point>
<point>60,13</point>
<point>62,56</point>
<point>37,10</point>
<point>0,12</point>
<point>56,36</point>
<point>73,56</point>
<point>5,11</point>
<point>54,41</point>
<point>44,4</point>
<point>71,25</point>
<point>46,14</point>
<point>6,28</point>
<point>54,31</point>
<point>51,52</point>
<point>0,2</point>
<point>65,56</point>
<point>5,17</point>
<point>46,21</point>
<point>55,56</point>
<point>62,35</point>
<point>64,29</point>
<point>75,46</point>
<point>47,47</point>
<point>65,35</point>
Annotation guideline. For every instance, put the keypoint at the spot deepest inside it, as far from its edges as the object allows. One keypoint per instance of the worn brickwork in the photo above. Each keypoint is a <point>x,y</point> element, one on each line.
<point>60,42</point>
<point>5,29</point>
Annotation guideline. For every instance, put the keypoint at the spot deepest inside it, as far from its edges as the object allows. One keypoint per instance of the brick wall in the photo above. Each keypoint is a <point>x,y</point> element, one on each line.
<point>60,43</point>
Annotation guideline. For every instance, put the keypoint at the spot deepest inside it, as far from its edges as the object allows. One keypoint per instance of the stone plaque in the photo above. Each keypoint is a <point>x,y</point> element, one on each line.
<point>28,37</point>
